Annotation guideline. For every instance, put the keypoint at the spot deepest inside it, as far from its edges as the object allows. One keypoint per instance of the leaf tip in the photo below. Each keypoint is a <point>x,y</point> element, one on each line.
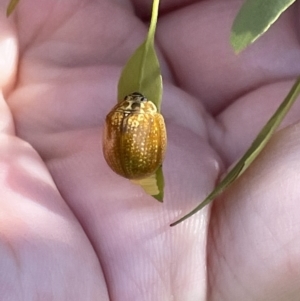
<point>11,7</point>
<point>158,197</point>
<point>237,44</point>
<point>177,222</point>
<point>8,12</point>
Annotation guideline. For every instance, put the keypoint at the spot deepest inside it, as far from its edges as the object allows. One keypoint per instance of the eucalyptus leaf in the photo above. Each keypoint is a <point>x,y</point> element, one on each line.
<point>142,74</point>
<point>254,18</point>
<point>251,154</point>
<point>142,71</point>
<point>11,6</point>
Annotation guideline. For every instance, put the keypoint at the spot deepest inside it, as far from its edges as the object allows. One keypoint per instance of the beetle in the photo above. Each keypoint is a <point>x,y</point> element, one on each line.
<point>135,138</point>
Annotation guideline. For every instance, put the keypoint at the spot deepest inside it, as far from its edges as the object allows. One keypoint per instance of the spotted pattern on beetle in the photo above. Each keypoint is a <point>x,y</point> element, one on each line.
<point>135,139</point>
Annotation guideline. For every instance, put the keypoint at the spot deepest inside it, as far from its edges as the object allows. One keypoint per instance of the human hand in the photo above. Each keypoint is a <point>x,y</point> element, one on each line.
<point>73,230</point>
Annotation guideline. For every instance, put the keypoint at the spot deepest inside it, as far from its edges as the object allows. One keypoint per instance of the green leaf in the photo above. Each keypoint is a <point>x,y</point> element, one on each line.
<point>257,146</point>
<point>254,18</point>
<point>142,71</point>
<point>142,74</point>
<point>11,6</point>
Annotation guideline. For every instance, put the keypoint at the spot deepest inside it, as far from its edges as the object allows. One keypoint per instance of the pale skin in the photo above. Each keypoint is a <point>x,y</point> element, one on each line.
<point>70,229</point>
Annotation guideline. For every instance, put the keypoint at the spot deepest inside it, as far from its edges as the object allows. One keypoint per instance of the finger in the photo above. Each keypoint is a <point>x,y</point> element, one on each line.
<point>195,41</point>
<point>44,251</point>
<point>240,123</point>
<point>86,29</point>
<point>253,249</point>
<point>42,245</point>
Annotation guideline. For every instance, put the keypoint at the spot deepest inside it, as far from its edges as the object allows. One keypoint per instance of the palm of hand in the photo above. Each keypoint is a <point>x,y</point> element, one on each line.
<point>84,233</point>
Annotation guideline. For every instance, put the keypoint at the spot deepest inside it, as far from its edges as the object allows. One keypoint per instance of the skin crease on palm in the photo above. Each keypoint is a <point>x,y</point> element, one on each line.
<point>70,229</point>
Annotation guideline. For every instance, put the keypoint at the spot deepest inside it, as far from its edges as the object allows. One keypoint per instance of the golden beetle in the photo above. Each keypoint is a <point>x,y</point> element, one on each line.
<point>135,139</point>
